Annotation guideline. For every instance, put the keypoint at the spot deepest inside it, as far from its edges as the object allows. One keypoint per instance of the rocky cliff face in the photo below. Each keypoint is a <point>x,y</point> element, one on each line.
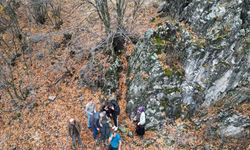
<point>197,61</point>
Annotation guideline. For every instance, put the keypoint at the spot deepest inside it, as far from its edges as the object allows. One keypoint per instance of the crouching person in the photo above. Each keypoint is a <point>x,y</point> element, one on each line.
<point>115,141</point>
<point>74,129</point>
<point>113,111</point>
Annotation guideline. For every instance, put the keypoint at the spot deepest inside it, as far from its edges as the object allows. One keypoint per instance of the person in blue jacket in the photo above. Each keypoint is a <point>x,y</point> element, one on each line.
<point>95,124</point>
<point>115,141</point>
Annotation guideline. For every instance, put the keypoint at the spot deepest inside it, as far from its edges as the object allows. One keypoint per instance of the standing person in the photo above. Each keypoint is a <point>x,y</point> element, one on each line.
<point>141,119</point>
<point>74,129</point>
<point>90,109</point>
<point>104,127</point>
<point>115,141</point>
<point>95,124</point>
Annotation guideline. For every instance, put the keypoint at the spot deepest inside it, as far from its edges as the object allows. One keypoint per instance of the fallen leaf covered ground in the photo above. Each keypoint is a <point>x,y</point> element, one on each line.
<point>42,124</point>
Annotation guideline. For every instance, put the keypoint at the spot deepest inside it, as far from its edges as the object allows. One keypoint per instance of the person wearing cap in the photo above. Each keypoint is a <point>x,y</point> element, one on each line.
<point>90,109</point>
<point>74,129</point>
<point>115,141</point>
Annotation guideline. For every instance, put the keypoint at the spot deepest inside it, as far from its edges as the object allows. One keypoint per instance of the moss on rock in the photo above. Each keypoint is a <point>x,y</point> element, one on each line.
<point>172,90</point>
<point>168,72</point>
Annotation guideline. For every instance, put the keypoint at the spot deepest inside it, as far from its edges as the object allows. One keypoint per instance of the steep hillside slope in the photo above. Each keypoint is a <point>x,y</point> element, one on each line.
<point>196,61</point>
<point>189,65</point>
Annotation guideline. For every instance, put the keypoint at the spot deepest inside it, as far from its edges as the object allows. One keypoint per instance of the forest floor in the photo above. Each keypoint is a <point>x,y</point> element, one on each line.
<point>42,123</point>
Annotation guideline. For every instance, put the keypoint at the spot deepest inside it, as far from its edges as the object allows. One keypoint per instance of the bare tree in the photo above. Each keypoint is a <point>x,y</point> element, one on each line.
<point>137,4</point>
<point>13,86</point>
<point>121,6</point>
<point>12,49</point>
<point>103,12</point>
<point>39,10</point>
<point>102,9</point>
<point>56,13</point>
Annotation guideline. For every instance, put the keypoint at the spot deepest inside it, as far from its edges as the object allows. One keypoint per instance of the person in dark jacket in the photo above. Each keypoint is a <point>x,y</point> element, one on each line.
<point>74,129</point>
<point>104,122</point>
<point>95,124</point>
<point>105,107</point>
<point>112,110</point>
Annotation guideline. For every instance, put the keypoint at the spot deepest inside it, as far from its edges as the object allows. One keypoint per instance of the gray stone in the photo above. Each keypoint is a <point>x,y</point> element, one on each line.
<point>160,115</point>
<point>242,32</point>
<point>161,7</point>
<point>160,96</point>
<point>162,108</point>
<point>170,140</point>
<point>40,56</point>
<point>2,85</point>
<point>157,87</point>
<point>52,98</point>
<point>55,45</point>
<point>124,123</point>
<point>149,34</point>
<point>147,143</point>
<point>37,38</point>
<point>130,134</point>
<point>183,127</point>
<point>32,105</point>
<point>207,147</point>
<point>232,131</point>
<point>153,123</point>
<point>123,129</point>
<point>130,107</point>
<point>13,148</point>
<point>233,125</point>
<point>150,111</point>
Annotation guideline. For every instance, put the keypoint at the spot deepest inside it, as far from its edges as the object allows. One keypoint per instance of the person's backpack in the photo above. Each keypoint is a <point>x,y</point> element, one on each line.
<point>116,106</point>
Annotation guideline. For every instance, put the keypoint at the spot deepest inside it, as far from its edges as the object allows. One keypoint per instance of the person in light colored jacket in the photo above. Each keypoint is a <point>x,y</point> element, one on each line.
<point>141,121</point>
<point>90,109</point>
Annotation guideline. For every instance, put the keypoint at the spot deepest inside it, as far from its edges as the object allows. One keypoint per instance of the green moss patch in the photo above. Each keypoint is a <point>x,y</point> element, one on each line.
<point>164,103</point>
<point>172,90</point>
<point>168,72</point>
<point>158,41</point>
<point>16,116</point>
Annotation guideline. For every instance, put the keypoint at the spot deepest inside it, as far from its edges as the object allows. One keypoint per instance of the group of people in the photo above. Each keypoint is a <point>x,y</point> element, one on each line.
<point>100,122</point>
